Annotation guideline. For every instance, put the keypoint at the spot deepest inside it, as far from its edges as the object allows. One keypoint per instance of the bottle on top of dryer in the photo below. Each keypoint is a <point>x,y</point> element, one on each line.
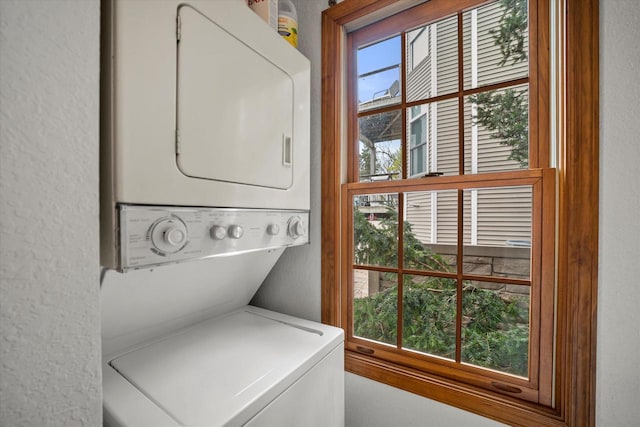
<point>288,22</point>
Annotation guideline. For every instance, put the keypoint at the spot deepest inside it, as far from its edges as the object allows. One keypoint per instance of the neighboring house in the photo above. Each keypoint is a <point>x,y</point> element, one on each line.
<point>493,218</point>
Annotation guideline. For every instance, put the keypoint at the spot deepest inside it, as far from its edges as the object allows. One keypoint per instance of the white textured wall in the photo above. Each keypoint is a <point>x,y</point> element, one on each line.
<point>374,404</point>
<point>618,356</point>
<point>49,303</point>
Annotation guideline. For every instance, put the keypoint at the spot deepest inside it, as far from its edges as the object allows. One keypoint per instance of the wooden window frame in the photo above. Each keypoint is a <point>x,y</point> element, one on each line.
<point>577,242</point>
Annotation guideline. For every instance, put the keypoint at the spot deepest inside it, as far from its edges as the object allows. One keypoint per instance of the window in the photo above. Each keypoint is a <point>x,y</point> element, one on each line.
<point>446,285</point>
<point>418,141</point>
<point>418,46</point>
<point>444,272</point>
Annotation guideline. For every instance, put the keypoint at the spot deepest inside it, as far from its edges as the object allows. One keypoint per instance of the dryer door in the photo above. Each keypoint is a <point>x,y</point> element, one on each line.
<point>234,108</point>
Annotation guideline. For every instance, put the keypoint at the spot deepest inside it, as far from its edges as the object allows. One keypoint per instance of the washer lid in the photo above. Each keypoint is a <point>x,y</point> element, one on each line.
<point>226,368</point>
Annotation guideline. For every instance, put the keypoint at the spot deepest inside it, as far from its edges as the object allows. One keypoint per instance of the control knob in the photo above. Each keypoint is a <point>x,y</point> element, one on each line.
<point>296,227</point>
<point>235,231</point>
<point>169,235</point>
<point>273,229</point>
<point>218,232</point>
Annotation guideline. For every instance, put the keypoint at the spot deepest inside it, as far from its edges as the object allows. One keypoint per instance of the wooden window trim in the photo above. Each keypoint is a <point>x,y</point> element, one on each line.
<point>577,234</point>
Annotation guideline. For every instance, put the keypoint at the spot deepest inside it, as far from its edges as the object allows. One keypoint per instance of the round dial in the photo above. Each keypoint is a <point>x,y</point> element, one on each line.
<point>235,231</point>
<point>169,235</point>
<point>296,227</point>
<point>273,229</point>
<point>218,232</point>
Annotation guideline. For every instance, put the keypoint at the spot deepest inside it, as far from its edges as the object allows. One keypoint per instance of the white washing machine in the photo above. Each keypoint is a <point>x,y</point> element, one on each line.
<point>182,347</point>
<point>251,367</point>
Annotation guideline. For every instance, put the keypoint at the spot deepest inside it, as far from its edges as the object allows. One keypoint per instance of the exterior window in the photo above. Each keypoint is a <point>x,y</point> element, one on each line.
<point>441,205</point>
<point>445,270</point>
<point>418,46</point>
<point>418,142</point>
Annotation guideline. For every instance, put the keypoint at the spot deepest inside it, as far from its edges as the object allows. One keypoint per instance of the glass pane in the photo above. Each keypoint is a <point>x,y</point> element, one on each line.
<point>432,130</point>
<point>497,232</point>
<point>380,152</point>
<point>432,60</point>
<point>379,74</point>
<point>495,329</point>
<point>429,315</point>
<point>375,230</point>
<point>497,130</point>
<point>496,43</point>
<point>422,224</point>
<point>375,305</point>
<point>418,145</point>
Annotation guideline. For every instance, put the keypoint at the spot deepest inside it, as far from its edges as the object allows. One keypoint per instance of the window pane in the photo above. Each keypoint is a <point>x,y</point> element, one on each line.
<point>418,145</point>
<point>497,232</point>
<point>379,74</point>
<point>497,130</point>
<point>429,315</point>
<point>425,220</point>
<point>432,60</point>
<point>380,152</point>
<point>496,43</point>
<point>375,230</point>
<point>375,305</point>
<point>495,331</point>
<point>432,132</point>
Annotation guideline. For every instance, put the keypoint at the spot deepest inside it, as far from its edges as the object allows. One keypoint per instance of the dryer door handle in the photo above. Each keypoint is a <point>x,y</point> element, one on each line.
<point>287,150</point>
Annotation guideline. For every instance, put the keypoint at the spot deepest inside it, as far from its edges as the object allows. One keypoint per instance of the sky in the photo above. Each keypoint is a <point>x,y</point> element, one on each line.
<point>374,57</point>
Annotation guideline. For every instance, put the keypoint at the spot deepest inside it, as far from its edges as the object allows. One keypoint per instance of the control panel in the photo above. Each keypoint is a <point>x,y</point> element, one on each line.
<point>155,235</point>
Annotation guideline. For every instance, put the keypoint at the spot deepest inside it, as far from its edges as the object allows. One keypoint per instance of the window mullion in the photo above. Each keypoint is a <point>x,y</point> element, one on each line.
<point>460,231</point>
<point>404,147</point>
<point>460,95</point>
<point>459,272</point>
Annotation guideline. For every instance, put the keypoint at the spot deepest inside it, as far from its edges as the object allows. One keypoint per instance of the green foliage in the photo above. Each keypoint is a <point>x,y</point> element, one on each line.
<point>511,34</point>
<point>506,115</point>
<point>388,159</point>
<point>375,317</point>
<point>378,244</point>
<point>429,315</point>
<point>495,334</point>
<point>495,331</point>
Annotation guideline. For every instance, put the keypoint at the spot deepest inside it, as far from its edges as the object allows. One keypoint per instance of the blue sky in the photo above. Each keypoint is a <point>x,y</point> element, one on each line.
<point>376,56</point>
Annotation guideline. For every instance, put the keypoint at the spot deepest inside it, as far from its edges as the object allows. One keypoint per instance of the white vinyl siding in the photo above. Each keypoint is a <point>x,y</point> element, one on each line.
<point>502,214</point>
<point>489,56</point>
<point>418,213</point>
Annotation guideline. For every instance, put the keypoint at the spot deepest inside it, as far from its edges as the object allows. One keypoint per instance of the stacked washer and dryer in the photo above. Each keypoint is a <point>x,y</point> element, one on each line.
<point>204,184</point>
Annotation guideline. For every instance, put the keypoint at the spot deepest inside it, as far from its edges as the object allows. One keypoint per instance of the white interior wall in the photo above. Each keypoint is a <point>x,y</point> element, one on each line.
<point>293,287</point>
<point>618,356</point>
<point>49,309</point>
